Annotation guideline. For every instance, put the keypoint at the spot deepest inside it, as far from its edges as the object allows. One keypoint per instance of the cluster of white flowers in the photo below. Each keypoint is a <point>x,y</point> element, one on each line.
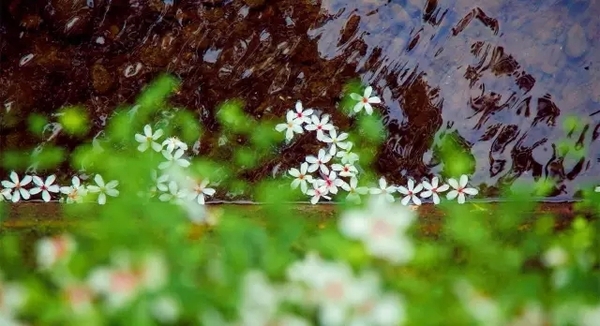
<point>336,166</point>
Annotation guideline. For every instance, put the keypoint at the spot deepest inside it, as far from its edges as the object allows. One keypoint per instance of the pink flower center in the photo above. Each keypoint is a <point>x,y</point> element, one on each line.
<point>299,114</point>
<point>365,100</point>
<point>319,127</point>
<point>60,246</point>
<point>335,290</point>
<point>301,177</point>
<point>123,281</point>
<point>381,228</point>
<point>78,295</point>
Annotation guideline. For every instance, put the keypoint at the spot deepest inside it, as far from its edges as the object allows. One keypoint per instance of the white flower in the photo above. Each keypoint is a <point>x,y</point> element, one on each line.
<point>149,139</point>
<point>5,194</point>
<point>589,316</point>
<point>354,192</point>
<point>104,189</point>
<point>160,183</point>
<point>319,162</point>
<point>331,182</point>
<point>16,186</point>
<point>199,189</point>
<point>258,312</point>
<point>44,187</point>
<point>173,159</point>
<point>346,170</point>
<point>173,143</point>
<point>460,189</point>
<point>381,227</point>
<point>347,157</point>
<point>555,257</point>
<point>166,309</point>
<point>384,190</point>
<point>597,189</point>
<point>173,194</point>
<point>301,177</point>
<point>292,126</point>
<point>302,114</point>
<point>75,192</point>
<point>335,141</point>
<point>433,190</point>
<point>317,193</point>
<point>12,297</point>
<point>51,251</point>
<point>410,192</point>
<point>320,125</point>
<point>365,101</point>
<point>376,308</point>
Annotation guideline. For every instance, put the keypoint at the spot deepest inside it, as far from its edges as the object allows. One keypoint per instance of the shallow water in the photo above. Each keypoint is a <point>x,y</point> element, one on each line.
<point>502,76</point>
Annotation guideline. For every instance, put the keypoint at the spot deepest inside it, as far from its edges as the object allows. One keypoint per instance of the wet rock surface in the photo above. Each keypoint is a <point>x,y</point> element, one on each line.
<point>501,77</point>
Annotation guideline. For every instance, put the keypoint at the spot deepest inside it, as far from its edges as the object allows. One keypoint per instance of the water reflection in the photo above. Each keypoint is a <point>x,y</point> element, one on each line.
<point>501,76</point>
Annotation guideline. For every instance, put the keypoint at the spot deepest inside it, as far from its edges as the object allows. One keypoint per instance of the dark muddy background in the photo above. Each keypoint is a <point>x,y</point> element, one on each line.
<point>502,76</point>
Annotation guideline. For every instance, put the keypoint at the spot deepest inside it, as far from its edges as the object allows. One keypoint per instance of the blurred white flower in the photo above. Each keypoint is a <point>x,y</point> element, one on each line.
<point>381,227</point>
<point>320,125</point>
<point>174,194</point>
<point>15,185</point>
<point>103,189</point>
<point>335,141</point>
<point>292,126</point>
<point>166,309</point>
<point>174,159</point>
<point>53,250</point>
<point>12,298</point>
<point>531,315</point>
<point>317,193</point>
<point>319,162</point>
<point>347,157</point>
<point>555,257</point>
<point>346,170</point>
<point>198,189</point>
<point>590,316</point>
<point>160,183</point>
<point>302,114</point>
<point>410,192</point>
<point>257,312</point>
<point>75,192</point>
<point>45,187</point>
<point>148,139</point>
<point>597,189</point>
<point>302,179</point>
<point>433,190</point>
<point>79,297</point>
<point>173,143</point>
<point>482,308</point>
<point>376,308</point>
<point>365,101</point>
<point>460,189</point>
<point>354,192</point>
<point>384,190</point>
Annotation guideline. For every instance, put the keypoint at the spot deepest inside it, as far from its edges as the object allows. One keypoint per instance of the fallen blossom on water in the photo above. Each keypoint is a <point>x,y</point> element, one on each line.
<point>291,127</point>
<point>460,189</point>
<point>15,185</point>
<point>198,190</point>
<point>173,143</point>
<point>303,114</point>
<point>174,159</point>
<point>104,189</point>
<point>433,190</point>
<point>410,192</point>
<point>365,101</point>
<point>346,170</point>
<point>317,193</point>
<point>381,227</point>
<point>354,191</point>
<point>320,125</point>
<point>173,194</point>
<point>336,141</point>
<point>384,190</point>
<point>44,187</point>
<point>301,178</point>
<point>319,162</point>
<point>75,192</point>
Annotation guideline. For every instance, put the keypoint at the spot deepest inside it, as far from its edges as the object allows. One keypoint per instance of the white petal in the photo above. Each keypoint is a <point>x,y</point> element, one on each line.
<point>99,180</point>
<point>405,200</point>
<point>368,92</point>
<point>461,198</point>
<point>148,131</point>
<point>46,196</point>
<point>356,97</point>
<point>368,109</point>
<point>358,106</point>
<point>471,191</point>
<point>101,199</point>
<point>451,194</point>
<point>453,183</point>
<point>443,188</point>
<point>416,200</point>
<point>464,180</point>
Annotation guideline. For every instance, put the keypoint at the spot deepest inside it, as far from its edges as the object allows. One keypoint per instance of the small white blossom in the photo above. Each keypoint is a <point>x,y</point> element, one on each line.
<point>460,189</point>
<point>331,182</point>
<point>381,227</point>
<point>75,192</point>
<point>292,126</point>
<point>347,157</point>
<point>174,193</point>
<point>555,257</point>
<point>199,189</point>
<point>166,309</point>
<point>148,139</point>
<point>173,159</point>
<point>317,193</point>
<point>335,141</point>
<point>410,192</point>
<point>346,170</point>
<point>365,101</point>
<point>45,187</point>
<point>159,183</point>
<point>384,190</point>
<point>173,143</point>
<point>433,190</point>
<point>302,179</point>
<point>354,192</point>
<point>103,189</point>
<point>5,194</point>
<point>51,251</point>
<point>319,162</point>
<point>13,297</point>
<point>302,114</point>
<point>16,186</point>
<point>320,125</point>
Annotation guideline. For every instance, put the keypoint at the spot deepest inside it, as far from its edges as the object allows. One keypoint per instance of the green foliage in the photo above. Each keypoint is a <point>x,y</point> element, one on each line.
<point>74,120</point>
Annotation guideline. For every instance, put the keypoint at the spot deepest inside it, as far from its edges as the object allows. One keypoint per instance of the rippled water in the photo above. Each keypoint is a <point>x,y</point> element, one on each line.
<point>502,76</point>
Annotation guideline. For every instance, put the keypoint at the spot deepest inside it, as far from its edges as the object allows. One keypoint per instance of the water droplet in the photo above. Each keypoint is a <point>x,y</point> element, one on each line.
<point>24,60</point>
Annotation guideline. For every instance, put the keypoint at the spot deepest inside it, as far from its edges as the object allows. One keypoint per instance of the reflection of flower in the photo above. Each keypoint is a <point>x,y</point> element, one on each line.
<point>365,101</point>
<point>51,251</point>
<point>15,186</point>
<point>460,189</point>
<point>381,228</point>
